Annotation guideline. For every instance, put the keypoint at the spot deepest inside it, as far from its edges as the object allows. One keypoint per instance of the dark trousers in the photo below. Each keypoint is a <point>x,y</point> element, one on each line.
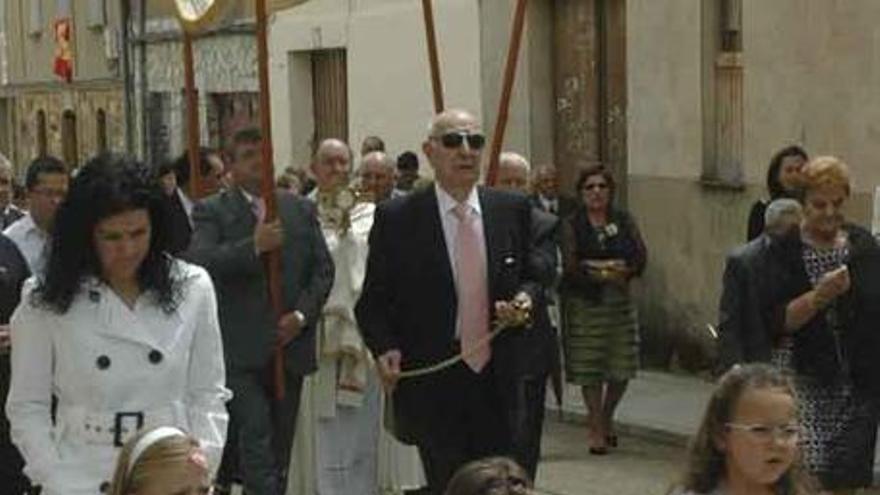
<point>12,477</point>
<point>264,429</point>
<point>474,427</point>
<point>526,416</point>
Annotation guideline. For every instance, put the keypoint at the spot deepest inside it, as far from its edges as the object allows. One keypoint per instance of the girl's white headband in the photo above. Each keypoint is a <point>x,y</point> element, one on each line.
<point>149,440</point>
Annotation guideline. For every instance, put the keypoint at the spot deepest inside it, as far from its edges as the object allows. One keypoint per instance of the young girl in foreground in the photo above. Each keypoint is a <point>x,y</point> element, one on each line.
<point>490,476</point>
<point>162,461</point>
<point>748,441</point>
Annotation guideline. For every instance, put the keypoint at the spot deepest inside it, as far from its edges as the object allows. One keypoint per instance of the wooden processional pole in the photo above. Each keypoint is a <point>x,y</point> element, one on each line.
<point>272,259</point>
<point>433,58</point>
<point>519,19</point>
<point>192,118</point>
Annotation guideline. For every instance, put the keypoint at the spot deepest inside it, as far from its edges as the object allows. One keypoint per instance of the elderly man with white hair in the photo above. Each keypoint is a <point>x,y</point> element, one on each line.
<point>744,336</point>
<point>513,172</point>
<point>9,213</point>
<point>377,176</point>
<point>538,349</point>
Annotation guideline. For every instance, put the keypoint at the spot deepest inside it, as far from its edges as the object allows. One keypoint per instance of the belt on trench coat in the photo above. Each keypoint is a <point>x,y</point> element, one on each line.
<point>81,425</point>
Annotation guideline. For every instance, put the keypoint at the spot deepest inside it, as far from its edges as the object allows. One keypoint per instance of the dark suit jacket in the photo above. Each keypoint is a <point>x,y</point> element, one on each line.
<point>181,230</point>
<point>13,272</point>
<point>745,335</point>
<point>223,243</point>
<point>566,205</point>
<point>9,216</point>
<point>854,315</point>
<point>537,347</point>
<point>409,300</point>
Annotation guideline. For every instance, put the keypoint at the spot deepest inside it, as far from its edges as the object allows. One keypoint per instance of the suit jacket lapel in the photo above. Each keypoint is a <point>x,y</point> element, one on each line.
<point>490,234</point>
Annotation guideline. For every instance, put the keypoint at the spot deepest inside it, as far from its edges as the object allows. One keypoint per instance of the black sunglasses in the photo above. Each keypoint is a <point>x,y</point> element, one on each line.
<point>455,139</point>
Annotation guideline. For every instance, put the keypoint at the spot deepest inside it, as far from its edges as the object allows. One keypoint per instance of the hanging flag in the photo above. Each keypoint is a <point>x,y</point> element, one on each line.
<point>63,64</point>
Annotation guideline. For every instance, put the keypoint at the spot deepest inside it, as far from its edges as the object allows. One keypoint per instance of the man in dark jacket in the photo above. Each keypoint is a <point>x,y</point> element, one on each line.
<point>229,240</point>
<point>537,348</point>
<point>744,335</point>
<point>13,272</point>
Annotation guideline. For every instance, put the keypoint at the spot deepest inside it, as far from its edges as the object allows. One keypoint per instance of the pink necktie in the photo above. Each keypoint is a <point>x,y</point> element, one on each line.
<point>472,290</point>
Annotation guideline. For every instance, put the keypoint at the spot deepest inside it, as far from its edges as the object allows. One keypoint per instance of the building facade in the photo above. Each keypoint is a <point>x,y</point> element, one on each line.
<point>42,112</point>
<point>225,65</point>
<point>684,100</point>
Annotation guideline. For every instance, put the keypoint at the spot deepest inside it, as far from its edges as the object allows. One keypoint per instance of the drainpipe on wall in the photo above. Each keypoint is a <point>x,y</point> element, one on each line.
<point>127,86</point>
<point>144,87</point>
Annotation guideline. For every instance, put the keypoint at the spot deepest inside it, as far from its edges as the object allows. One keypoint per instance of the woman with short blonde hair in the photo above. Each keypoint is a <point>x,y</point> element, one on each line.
<point>824,312</point>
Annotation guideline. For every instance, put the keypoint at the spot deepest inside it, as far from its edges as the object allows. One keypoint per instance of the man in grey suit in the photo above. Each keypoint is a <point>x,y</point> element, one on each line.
<point>229,239</point>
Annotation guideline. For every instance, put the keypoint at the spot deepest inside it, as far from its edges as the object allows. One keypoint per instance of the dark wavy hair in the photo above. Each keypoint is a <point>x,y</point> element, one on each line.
<point>706,466</point>
<point>107,185</point>
<point>774,187</point>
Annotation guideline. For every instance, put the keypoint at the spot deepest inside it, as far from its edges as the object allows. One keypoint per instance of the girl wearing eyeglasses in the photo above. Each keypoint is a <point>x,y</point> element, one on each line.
<point>162,461</point>
<point>747,443</point>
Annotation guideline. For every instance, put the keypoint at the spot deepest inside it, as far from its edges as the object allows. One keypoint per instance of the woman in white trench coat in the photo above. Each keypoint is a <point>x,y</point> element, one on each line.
<point>124,336</point>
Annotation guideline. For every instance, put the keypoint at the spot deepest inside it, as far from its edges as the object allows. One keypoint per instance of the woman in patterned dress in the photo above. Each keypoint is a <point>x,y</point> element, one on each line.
<point>826,307</point>
<point>602,251</point>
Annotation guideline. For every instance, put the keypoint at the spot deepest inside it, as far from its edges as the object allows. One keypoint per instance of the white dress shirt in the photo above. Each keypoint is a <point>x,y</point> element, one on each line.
<point>187,206</point>
<point>31,240</point>
<point>551,205</point>
<point>446,205</point>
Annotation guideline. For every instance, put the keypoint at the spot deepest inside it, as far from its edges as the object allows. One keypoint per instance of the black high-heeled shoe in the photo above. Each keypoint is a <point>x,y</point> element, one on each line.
<point>598,450</point>
<point>611,440</point>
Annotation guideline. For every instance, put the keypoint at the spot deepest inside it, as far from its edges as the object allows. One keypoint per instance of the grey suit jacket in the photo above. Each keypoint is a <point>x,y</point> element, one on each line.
<point>223,242</point>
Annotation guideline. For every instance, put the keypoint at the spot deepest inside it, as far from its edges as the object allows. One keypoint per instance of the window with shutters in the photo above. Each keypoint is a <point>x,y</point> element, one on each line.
<point>101,130</point>
<point>330,94</point>
<point>69,142</point>
<point>42,134</point>
<point>229,113</point>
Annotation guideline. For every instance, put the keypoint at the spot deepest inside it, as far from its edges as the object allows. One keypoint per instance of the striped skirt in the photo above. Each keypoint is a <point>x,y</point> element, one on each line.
<point>600,338</point>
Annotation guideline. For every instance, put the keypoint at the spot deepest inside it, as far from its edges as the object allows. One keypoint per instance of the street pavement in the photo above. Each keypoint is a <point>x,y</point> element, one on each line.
<point>638,466</point>
<point>656,418</point>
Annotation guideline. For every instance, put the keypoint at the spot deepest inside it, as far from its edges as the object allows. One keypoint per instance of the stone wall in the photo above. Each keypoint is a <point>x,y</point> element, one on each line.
<point>85,103</point>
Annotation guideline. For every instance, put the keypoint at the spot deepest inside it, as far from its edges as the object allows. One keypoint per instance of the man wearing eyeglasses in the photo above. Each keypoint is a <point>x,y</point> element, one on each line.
<point>446,265</point>
<point>46,182</point>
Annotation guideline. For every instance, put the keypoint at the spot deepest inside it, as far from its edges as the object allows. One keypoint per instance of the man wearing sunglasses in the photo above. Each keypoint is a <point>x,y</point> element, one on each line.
<point>446,265</point>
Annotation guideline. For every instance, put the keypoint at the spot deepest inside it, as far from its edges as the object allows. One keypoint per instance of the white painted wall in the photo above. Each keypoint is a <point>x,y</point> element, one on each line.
<point>664,94</point>
<point>812,69</point>
<point>388,73</point>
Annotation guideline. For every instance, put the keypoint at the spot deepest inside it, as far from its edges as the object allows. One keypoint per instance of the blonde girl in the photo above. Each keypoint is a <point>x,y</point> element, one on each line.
<point>162,461</point>
<point>747,443</point>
